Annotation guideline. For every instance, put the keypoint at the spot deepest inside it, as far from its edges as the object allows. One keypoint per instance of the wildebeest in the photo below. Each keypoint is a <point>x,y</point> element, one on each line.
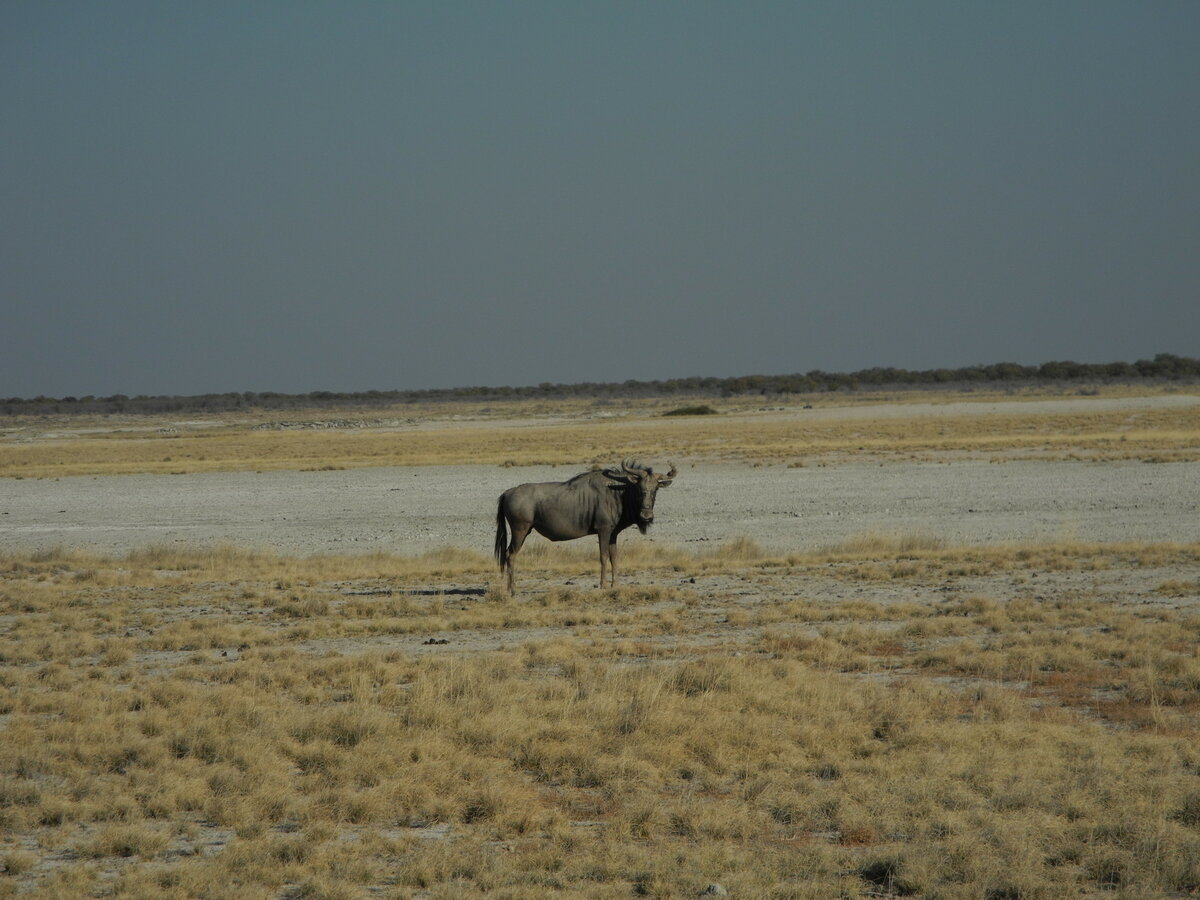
<point>602,502</point>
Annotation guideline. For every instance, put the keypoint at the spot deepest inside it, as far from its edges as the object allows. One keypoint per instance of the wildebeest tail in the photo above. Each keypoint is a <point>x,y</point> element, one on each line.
<point>501,535</point>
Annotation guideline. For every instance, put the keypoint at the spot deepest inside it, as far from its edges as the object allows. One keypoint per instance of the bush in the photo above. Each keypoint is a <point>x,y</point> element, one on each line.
<point>700,410</point>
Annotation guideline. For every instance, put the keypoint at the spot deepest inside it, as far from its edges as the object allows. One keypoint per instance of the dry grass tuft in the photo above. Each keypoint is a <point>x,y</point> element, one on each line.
<point>875,544</point>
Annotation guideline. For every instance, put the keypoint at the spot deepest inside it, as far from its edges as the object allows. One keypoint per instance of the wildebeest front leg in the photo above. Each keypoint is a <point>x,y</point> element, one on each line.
<point>608,559</point>
<point>607,539</point>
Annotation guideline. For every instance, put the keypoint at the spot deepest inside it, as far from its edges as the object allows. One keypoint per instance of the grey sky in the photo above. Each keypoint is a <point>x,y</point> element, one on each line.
<point>297,196</point>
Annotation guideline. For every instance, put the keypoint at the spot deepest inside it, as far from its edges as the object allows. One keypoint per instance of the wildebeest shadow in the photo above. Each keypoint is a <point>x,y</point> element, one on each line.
<point>447,592</point>
<point>420,592</point>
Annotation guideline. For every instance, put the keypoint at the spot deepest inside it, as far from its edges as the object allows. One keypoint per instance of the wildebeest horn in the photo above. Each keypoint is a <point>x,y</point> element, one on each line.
<point>633,467</point>
<point>627,474</point>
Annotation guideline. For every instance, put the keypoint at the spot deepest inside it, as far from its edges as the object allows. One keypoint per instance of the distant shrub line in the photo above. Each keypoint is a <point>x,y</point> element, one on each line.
<point>1164,367</point>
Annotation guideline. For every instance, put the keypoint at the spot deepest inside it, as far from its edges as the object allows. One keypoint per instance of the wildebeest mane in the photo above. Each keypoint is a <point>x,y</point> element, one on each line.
<point>582,476</point>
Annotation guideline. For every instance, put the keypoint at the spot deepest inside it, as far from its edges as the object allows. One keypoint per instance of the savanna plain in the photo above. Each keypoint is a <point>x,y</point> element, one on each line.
<point>889,714</point>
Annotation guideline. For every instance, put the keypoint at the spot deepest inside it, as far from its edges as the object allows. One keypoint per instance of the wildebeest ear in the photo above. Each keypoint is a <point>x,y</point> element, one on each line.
<point>665,480</point>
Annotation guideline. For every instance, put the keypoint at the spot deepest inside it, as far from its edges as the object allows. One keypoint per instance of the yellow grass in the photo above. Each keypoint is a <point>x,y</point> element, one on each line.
<point>225,723</point>
<point>572,436</point>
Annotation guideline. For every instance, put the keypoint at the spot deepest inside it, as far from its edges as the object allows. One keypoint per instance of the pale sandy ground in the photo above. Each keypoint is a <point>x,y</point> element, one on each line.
<point>410,510</point>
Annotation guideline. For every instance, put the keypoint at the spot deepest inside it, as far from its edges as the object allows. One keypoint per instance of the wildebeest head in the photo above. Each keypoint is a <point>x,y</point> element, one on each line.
<point>646,484</point>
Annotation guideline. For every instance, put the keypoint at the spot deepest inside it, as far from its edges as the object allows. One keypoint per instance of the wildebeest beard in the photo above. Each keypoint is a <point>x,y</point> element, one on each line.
<point>643,526</point>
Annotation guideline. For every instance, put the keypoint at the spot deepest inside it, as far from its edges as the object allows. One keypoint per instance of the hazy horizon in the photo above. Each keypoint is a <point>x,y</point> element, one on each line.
<point>824,380</point>
<point>276,197</point>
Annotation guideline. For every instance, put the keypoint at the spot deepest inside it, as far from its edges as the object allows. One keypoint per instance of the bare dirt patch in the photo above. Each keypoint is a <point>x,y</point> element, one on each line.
<point>412,510</point>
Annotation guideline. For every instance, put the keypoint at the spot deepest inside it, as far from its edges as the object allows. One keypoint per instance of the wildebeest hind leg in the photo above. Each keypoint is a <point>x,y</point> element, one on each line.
<point>603,559</point>
<point>519,533</point>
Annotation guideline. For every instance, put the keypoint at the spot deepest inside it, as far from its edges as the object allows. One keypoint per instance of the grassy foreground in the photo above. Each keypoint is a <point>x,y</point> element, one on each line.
<point>578,432</point>
<point>886,718</point>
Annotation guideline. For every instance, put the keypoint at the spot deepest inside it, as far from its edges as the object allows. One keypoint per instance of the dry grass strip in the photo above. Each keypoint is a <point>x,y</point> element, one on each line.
<point>1154,435</point>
